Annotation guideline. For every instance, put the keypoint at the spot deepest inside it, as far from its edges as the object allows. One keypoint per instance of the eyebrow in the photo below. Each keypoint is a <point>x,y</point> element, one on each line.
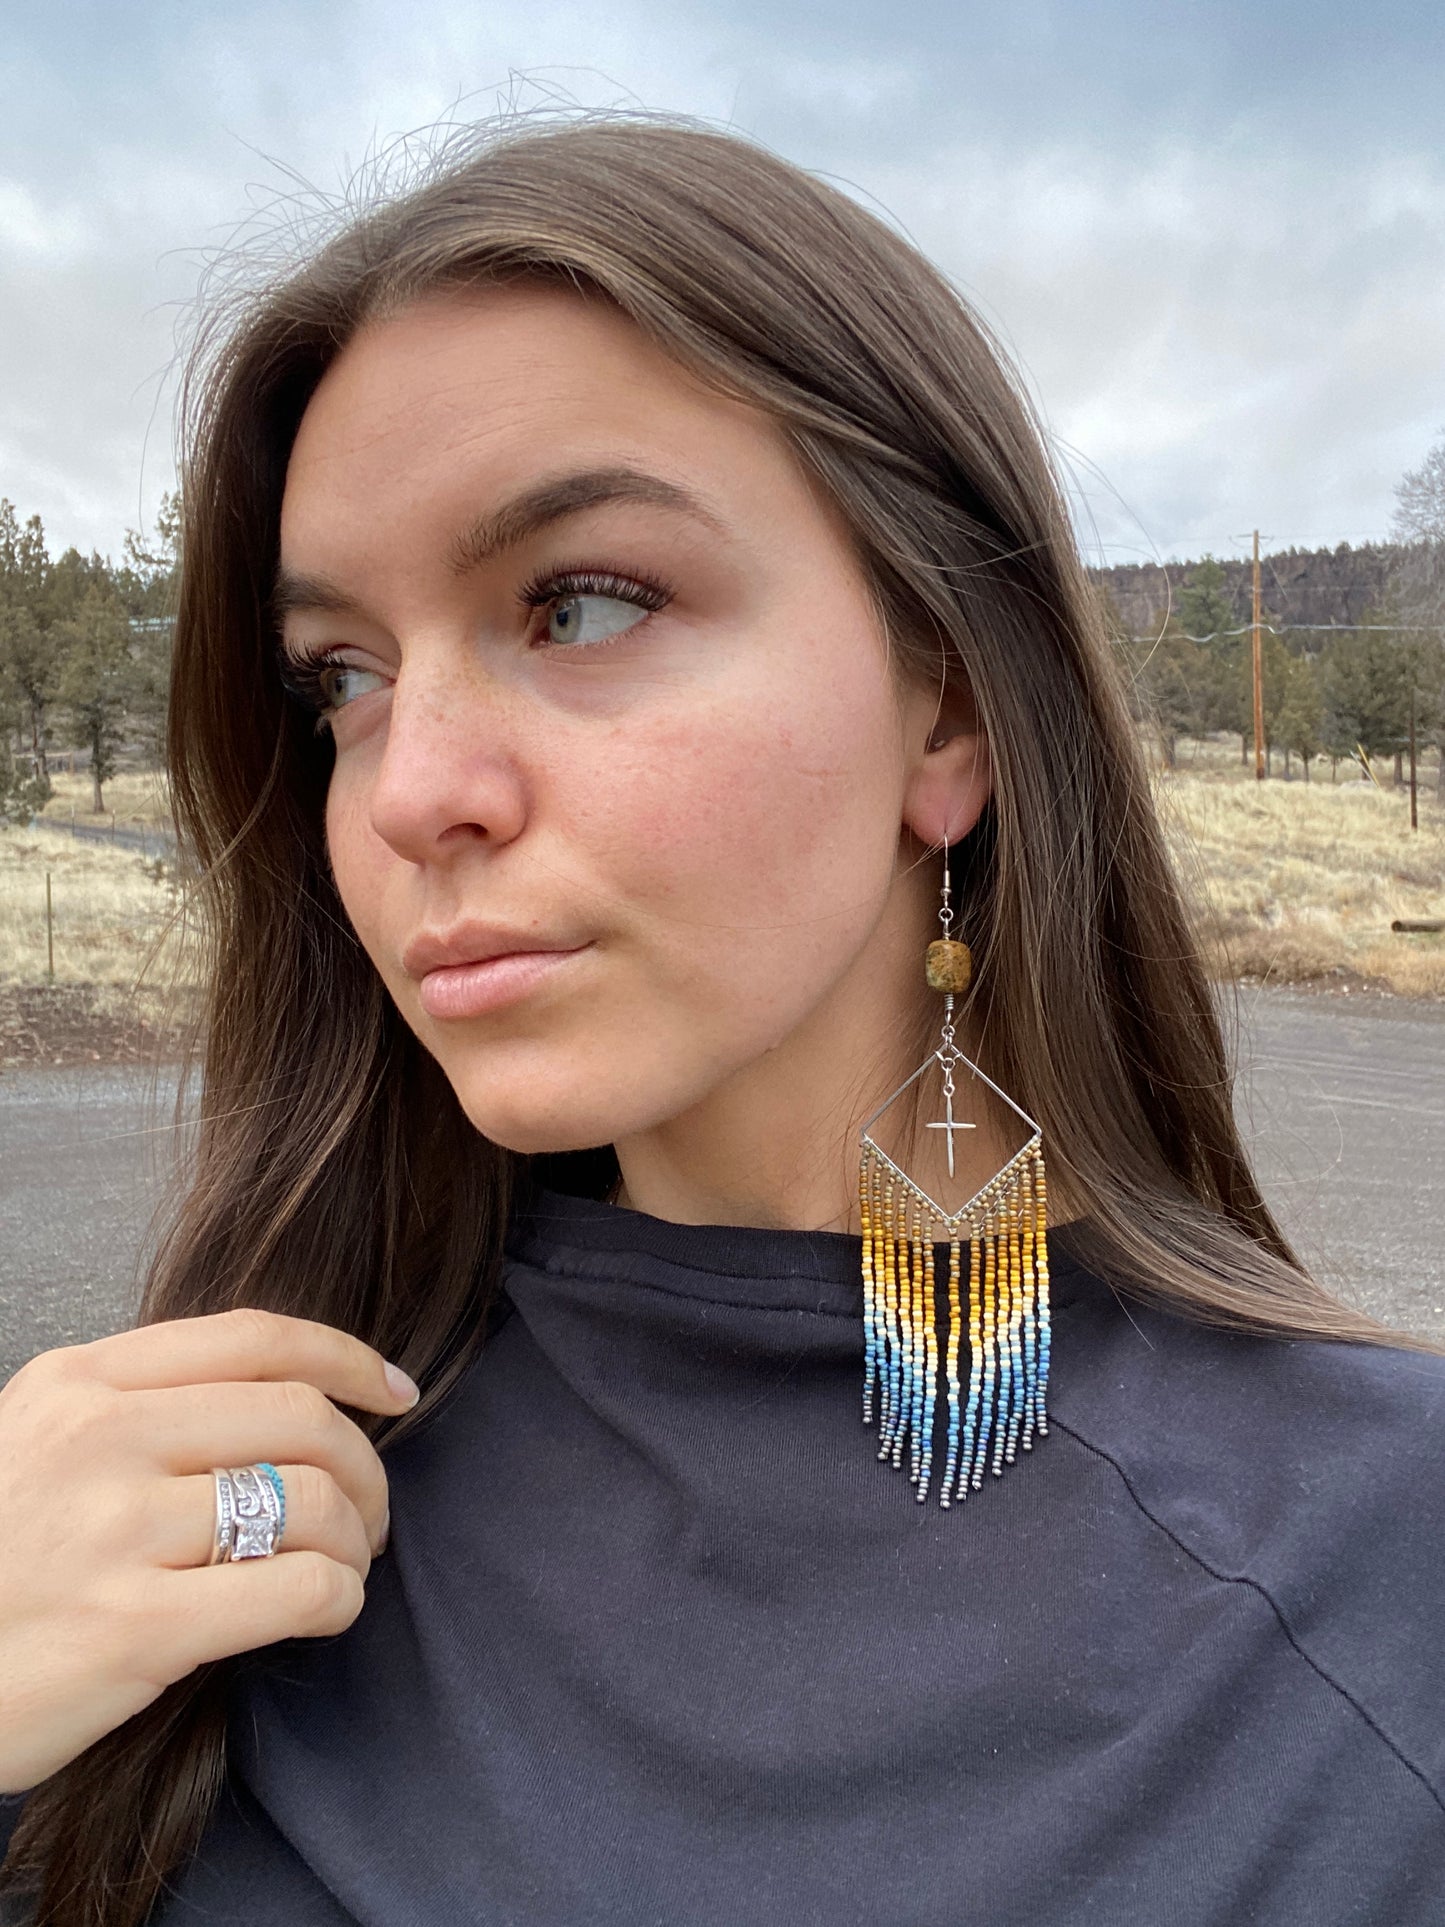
<point>493,534</point>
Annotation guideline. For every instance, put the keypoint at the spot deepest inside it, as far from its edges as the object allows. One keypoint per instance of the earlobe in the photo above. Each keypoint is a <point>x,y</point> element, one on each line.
<point>949,787</point>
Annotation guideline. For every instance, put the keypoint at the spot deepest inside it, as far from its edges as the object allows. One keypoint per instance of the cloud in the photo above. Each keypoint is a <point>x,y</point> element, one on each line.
<point>1212,237</point>
<point>39,235</point>
<point>1216,356</point>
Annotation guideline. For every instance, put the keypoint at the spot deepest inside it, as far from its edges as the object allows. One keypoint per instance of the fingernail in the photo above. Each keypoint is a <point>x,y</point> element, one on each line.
<point>385,1533</point>
<point>404,1387</point>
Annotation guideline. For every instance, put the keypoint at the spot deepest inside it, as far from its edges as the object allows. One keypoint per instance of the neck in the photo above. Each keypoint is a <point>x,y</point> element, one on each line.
<point>777,1144</point>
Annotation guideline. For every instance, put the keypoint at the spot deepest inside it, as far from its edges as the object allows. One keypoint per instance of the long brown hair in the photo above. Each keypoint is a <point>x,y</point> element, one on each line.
<point>336,1175</point>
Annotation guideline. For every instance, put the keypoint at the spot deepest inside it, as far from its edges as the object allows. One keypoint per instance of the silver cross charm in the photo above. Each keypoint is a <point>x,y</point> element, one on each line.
<point>949,1124</point>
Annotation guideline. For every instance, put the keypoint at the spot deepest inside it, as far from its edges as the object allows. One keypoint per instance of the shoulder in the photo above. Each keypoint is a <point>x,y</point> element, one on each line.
<point>1298,1424</point>
<point>1310,1470</point>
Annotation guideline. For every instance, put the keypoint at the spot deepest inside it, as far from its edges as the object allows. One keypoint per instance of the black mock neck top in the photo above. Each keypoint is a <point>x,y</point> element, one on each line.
<point>659,1642</point>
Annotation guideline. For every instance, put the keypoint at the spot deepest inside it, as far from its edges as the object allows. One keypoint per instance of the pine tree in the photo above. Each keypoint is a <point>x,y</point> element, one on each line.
<point>29,663</point>
<point>96,680</point>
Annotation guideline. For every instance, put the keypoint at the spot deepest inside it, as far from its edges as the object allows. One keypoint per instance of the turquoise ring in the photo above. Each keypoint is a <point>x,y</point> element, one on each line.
<point>275,1477</point>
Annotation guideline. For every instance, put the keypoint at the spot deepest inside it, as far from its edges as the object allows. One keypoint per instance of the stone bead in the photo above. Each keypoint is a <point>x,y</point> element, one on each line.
<point>948,965</point>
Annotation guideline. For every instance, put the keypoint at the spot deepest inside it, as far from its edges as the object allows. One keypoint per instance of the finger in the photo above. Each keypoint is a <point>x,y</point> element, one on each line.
<point>246,1344</point>
<point>191,1428</point>
<point>213,1611</point>
<point>181,1526</point>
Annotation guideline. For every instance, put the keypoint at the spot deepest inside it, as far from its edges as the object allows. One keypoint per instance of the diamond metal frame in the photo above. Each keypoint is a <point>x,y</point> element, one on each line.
<point>954,1220</point>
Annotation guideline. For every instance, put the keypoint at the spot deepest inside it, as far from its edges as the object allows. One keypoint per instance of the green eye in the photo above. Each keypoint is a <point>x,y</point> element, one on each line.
<point>592,618</point>
<point>591,605</point>
<point>337,684</point>
<point>325,683</point>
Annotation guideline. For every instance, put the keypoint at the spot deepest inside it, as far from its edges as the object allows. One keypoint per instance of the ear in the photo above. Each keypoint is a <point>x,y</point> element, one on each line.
<point>950,771</point>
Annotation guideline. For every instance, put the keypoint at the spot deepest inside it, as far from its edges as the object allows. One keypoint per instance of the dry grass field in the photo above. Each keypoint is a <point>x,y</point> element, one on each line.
<point>122,981</point>
<point>111,911</point>
<point>137,798</point>
<point>1299,882</point>
<point>1292,882</point>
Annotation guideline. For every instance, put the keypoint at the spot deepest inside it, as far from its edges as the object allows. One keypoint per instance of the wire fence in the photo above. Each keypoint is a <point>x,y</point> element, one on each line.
<point>139,833</point>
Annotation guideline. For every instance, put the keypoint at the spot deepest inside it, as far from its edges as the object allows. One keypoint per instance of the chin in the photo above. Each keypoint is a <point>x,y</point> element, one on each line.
<point>532,1137</point>
<point>529,1114</point>
<point>573,1096</point>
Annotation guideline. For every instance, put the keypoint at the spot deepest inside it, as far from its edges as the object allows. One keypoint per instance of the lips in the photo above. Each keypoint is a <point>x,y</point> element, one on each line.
<point>471,970</point>
<point>472,943</point>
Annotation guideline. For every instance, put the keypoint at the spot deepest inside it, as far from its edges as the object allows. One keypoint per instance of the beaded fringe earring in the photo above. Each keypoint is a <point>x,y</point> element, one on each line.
<point>1008,1283</point>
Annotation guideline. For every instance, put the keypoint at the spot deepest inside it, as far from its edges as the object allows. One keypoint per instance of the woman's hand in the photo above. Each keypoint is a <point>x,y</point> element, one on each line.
<point>108,1514</point>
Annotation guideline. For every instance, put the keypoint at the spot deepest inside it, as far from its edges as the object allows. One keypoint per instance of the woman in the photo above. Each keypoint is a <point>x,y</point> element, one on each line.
<point>624,553</point>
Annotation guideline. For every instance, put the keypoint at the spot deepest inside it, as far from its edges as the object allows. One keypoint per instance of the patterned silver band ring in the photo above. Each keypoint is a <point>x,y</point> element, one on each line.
<point>250,1512</point>
<point>225,1518</point>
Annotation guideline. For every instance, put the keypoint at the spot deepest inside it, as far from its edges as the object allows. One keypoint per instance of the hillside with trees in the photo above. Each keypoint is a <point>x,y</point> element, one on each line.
<point>1335,688</point>
<point>1352,644</point>
<point>1313,588</point>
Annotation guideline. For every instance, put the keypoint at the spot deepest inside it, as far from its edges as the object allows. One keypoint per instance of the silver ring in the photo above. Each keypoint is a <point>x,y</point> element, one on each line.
<point>249,1513</point>
<point>225,1518</point>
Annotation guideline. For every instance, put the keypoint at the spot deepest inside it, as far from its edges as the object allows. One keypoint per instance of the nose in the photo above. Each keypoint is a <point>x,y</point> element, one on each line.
<point>449,772</point>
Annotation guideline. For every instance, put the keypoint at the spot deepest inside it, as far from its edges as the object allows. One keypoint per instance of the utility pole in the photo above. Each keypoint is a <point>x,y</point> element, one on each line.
<point>1258,674</point>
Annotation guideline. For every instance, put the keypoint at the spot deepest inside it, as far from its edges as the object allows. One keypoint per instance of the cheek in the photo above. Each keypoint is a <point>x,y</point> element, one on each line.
<point>761,836</point>
<point>359,858</point>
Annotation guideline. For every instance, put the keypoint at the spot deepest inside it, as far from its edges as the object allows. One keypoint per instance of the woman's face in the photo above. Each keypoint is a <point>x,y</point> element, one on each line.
<point>604,682</point>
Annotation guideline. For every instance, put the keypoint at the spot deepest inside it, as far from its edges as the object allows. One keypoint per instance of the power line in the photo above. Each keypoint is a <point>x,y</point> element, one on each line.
<point>1308,628</point>
<point>1317,544</point>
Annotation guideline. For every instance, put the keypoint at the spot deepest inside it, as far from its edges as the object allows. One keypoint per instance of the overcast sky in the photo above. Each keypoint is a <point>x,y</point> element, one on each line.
<point>1213,235</point>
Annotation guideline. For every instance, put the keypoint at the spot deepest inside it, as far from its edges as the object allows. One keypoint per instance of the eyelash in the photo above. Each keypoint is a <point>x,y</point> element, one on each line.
<point>301,675</point>
<point>554,585</point>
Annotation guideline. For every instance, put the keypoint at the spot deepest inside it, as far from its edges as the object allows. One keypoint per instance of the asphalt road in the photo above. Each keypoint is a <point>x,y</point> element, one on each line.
<point>1342,1098</point>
